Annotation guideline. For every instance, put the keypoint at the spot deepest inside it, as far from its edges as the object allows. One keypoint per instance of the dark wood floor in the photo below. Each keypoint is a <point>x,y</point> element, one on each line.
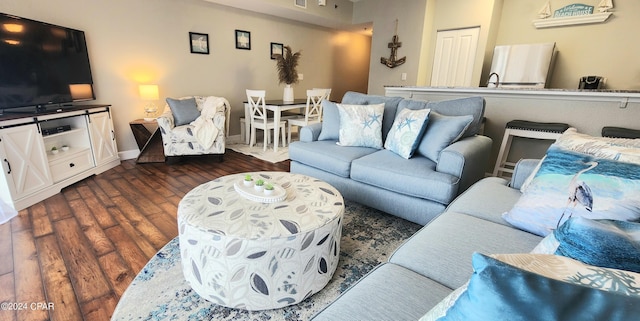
<point>72,256</point>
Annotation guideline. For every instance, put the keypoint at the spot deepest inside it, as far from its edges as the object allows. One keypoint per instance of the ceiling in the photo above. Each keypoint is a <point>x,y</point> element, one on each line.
<point>274,8</point>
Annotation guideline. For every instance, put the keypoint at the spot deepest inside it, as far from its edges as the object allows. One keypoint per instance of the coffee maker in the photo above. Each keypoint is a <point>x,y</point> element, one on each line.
<point>591,82</point>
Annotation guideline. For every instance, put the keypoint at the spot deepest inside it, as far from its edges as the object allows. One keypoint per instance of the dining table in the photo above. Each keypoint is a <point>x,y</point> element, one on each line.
<point>277,107</point>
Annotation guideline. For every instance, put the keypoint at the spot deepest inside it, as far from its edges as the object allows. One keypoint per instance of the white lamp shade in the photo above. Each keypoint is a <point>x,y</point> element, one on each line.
<point>149,92</point>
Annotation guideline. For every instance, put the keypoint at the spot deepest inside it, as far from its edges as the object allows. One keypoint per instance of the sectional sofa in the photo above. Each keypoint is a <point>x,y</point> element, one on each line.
<point>437,259</point>
<point>472,262</point>
<point>449,156</point>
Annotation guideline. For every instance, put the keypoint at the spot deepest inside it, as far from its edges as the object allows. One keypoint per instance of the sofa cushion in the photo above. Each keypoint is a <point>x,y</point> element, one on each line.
<point>574,184</point>
<point>415,177</point>
<point>361,125</point>
<point>327,155</point>
<point>473,201</point>
<point>184,110</point>
<point>390,107</point>
<point>389,292</point>
<point>455,107</point>
<point>441,132</point>
<point>545,287</point>
<point>407,131</point>
<point>446,244</point>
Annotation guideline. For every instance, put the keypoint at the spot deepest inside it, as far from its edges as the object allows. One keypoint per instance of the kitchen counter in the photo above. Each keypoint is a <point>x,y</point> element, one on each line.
<point>586,110</point>
<point>613,95</point>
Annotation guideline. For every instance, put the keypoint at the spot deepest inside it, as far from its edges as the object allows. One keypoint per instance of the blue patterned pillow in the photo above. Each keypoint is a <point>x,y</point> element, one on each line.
<point>545,287</point>
<point>606,243</point>
<point>361,125</point>
<point>574,184</point>
<point>406,132</point>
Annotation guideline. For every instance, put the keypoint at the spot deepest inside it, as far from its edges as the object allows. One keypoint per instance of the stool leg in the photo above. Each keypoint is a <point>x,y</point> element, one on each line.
<point>503,154</point>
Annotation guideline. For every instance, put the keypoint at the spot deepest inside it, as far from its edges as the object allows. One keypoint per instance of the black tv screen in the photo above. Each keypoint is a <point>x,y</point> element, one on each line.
<point>42,64</point>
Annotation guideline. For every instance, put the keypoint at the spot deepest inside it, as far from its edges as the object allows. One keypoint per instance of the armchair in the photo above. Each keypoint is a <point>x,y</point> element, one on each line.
<point>204,135</point>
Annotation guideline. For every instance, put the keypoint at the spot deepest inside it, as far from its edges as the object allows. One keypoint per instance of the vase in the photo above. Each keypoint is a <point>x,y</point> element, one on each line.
<point>288,93</point>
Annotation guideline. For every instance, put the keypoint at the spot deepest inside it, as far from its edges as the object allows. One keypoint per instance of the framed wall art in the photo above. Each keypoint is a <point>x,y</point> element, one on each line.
<point>199,43</point>
<point>243,39</point>
<point>276,49</point>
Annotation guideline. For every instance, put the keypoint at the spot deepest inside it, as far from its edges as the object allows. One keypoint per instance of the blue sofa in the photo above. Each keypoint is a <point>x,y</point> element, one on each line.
<point>416,189</point>
<point>437,259</point>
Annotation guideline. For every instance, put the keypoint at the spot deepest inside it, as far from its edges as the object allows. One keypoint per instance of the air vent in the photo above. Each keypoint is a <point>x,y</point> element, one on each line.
<point>300,3</point>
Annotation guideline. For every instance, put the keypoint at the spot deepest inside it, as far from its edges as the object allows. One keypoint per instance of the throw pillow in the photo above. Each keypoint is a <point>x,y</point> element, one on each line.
<point>441,132</point>
<point>621,149</point>
<point>184,110</point>
<point>330,121</point>
<point>605,243</point>
<point>408,127</point>
<point>574,184</point>
<point>361,125</point>
<point>545,287</point>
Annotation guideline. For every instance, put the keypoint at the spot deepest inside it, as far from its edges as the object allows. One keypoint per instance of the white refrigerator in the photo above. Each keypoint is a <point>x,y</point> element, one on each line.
<point>521,66</point>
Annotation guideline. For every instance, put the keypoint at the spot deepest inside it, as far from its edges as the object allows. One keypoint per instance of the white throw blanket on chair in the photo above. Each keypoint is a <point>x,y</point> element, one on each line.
<point>204,130</point>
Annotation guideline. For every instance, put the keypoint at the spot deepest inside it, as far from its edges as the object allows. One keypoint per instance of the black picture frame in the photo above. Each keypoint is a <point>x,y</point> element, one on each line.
<point>243,39</point>
<point>199,43</point>
<point>276,49</point>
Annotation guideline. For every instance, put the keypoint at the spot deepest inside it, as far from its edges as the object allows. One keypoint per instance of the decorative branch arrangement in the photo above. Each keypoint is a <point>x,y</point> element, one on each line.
<point>286,64</point>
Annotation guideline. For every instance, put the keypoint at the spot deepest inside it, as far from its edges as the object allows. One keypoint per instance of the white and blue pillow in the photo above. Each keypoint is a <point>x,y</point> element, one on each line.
<point>361,125</point>
<point>407,131</point>
<point>570,184</point>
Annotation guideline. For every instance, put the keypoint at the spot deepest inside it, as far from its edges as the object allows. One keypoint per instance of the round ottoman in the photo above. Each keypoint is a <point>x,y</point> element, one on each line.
<point>251,255</point>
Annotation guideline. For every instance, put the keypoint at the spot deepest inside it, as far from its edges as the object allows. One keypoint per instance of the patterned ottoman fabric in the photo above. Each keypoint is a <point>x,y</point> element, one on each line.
<point>256,256</point>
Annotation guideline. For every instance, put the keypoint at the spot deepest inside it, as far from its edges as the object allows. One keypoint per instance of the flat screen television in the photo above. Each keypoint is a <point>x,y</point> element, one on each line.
<point>42,64</point>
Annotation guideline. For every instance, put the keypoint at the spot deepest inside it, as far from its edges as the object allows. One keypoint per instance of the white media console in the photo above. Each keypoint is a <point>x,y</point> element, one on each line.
<point>33,170</point>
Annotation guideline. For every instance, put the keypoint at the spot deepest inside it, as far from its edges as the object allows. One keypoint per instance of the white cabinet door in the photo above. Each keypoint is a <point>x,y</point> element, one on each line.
<point>24,160</point>
<point>454,58</point>
<point>103,139</point>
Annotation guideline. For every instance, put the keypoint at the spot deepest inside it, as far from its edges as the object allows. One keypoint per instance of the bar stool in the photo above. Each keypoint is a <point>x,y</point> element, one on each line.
<point>528,129</point>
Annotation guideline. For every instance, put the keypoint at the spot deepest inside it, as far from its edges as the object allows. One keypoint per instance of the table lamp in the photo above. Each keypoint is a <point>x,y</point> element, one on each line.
<point>150,94</point>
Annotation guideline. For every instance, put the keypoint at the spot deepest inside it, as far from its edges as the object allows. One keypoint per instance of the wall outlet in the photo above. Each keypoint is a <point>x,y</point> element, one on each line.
<point>403,76</point>
<point>322,3</point>
<point>300,76</point>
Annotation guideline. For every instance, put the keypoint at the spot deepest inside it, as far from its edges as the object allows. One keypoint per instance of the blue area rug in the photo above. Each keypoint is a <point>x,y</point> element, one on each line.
<point>159,291</point>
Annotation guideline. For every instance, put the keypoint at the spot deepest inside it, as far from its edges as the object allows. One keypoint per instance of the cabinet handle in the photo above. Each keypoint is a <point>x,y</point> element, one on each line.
<point>8,166</point>
<point>72,164</point>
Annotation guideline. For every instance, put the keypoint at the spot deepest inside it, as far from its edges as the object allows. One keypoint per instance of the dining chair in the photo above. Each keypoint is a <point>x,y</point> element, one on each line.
<point>313,110</point>
<point>259,119</point>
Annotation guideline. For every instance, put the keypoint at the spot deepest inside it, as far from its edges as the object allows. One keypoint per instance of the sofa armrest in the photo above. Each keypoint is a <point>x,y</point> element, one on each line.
<point>466,159</point>
<point>165,121</point>
<point>310,132</point>
<point>524,168</point>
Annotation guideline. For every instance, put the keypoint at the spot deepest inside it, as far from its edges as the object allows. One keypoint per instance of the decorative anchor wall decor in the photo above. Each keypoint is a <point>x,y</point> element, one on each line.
<point>393,61</point>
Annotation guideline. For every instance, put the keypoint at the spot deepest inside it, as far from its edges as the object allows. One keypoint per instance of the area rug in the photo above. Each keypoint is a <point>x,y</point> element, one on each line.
<point>159,291</point>
<point>256,151</point>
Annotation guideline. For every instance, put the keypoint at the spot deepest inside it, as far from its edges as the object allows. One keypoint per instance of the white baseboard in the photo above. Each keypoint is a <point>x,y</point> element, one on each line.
<point>129,154</point>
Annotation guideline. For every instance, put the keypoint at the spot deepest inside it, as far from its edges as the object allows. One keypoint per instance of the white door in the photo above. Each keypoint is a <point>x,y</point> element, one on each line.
<point>103,139</point>
<point>24,160</point>
<point>455,56</point>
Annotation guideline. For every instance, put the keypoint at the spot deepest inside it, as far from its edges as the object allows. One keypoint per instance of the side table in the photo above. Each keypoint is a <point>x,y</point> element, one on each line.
<point>147,135</point>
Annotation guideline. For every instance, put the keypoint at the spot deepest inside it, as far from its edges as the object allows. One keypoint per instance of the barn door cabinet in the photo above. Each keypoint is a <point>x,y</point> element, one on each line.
<point>45,152</point>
